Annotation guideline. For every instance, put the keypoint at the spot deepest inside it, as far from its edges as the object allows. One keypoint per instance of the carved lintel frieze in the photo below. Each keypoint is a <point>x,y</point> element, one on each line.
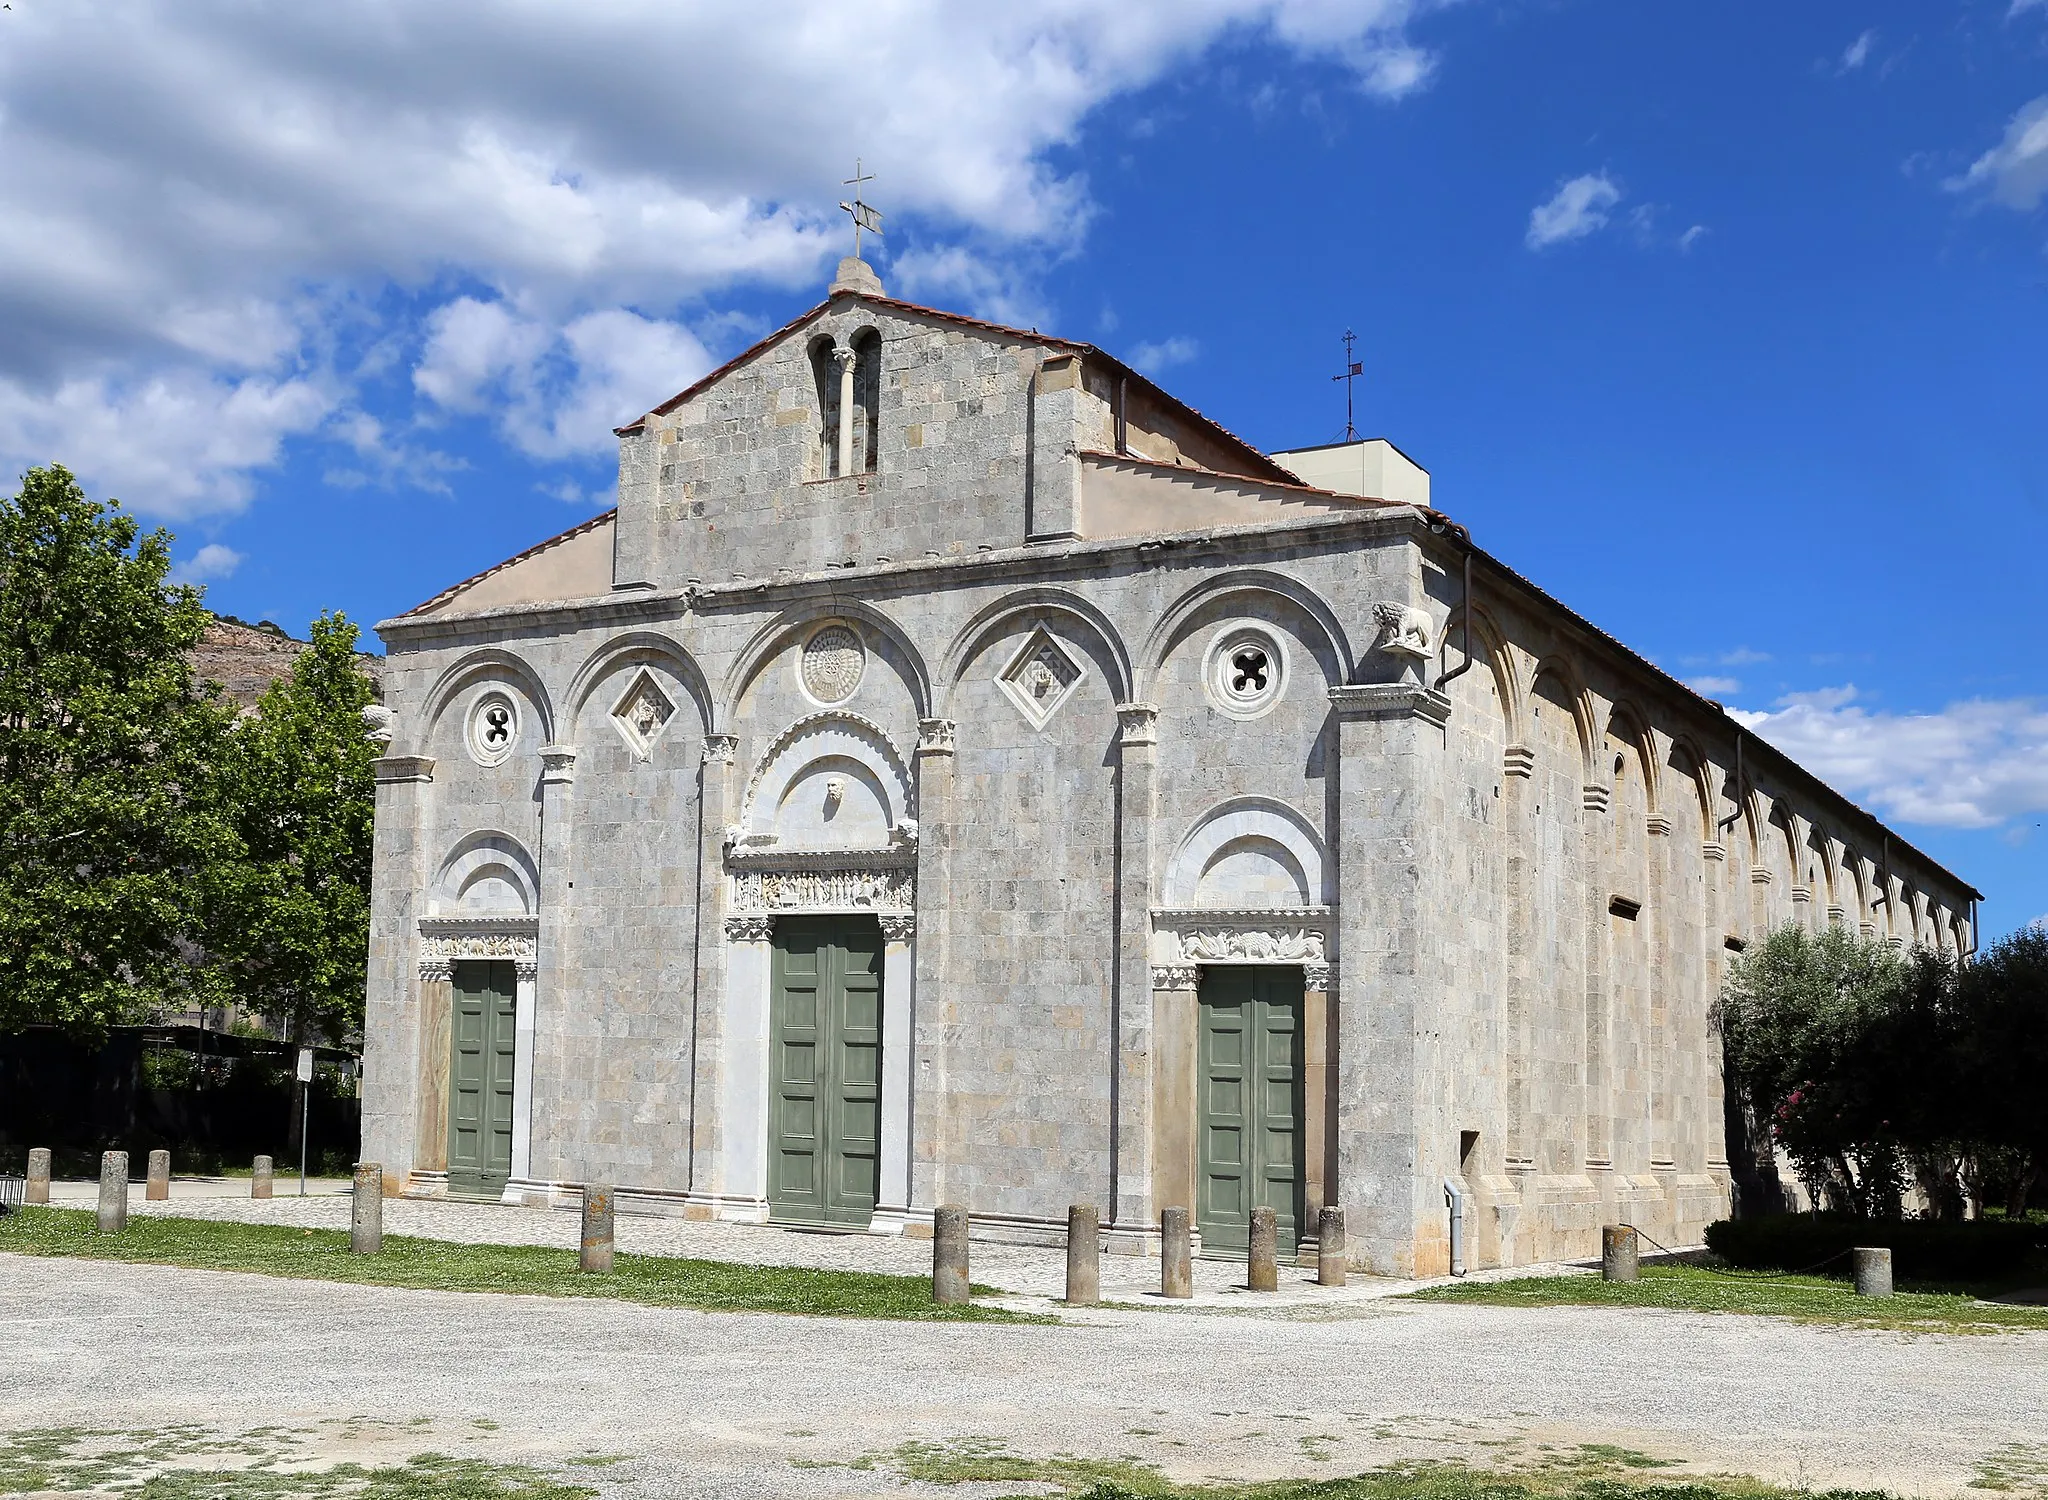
<point>876,888</point>
<point>719,749</point>
<point>445,941</point>
<point>1175,976</point>
<point>750,927</point>
<point>1297,935</point>
<point>935,736</point>
<point>1138,723</point>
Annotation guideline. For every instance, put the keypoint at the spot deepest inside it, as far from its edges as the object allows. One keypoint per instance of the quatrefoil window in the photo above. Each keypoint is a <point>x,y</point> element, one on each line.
<point>493,728</point>
<point>1246,670</point>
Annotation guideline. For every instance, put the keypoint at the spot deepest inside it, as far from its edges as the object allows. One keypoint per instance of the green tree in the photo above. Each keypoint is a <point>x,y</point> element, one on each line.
<point>1801,1020</point>
<point>2002,1045</point>
<point>105,748</point>
<point>289,935</point>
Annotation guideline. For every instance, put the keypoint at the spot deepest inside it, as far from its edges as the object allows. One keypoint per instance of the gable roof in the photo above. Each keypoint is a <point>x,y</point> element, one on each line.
<point>1256,463</point>
<point>604,518</point>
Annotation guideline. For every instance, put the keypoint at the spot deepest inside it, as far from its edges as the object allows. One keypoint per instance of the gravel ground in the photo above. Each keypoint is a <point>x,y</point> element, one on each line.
<point>742,1404</point>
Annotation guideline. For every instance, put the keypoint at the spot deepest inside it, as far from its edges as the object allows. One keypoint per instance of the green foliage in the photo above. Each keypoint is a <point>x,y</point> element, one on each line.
<point>1808,1299</point>
<point>1922,1250</point>
<point>288,919</point>
<point>105,749</point>
<point>323,1255</point>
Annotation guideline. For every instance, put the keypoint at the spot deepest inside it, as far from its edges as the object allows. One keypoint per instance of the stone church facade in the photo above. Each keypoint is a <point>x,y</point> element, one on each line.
<point>958,771</point>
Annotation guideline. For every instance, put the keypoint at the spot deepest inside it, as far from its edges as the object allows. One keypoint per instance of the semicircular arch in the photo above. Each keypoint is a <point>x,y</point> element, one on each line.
<point>1167,632</point>
<point>641,645</point>
<point>485,662</point>
<point>1041,599</point>
<point>775,635</point>
<point>1243,823</point>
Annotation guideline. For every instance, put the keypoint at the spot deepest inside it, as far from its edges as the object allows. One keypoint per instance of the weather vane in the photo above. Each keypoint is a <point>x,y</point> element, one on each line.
<point>1352,370</point>
<point>863,216</point>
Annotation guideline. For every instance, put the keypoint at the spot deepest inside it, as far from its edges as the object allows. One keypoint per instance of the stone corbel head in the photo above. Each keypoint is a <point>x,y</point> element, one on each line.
<point>379,723</point>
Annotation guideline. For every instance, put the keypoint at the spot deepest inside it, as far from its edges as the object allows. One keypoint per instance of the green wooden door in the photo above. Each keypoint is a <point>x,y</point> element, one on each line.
<point>1250,1105</point>
<point>480,1080</point>
<point>825,1112</point>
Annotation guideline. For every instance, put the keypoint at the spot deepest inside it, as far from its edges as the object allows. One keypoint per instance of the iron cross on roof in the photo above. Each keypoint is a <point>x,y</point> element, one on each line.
<point>863,216</point>
<point>1352,370</point>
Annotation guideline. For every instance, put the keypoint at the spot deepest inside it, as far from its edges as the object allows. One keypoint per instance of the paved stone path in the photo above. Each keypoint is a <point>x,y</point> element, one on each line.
<point>738,1404</point>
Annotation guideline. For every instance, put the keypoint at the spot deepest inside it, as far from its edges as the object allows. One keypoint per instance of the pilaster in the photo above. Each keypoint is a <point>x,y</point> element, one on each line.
<point>394,1062</point>
<point>1131,1169</point>
<point>707,1050</point>
<point>542,1043</point>
<point>938,835</point>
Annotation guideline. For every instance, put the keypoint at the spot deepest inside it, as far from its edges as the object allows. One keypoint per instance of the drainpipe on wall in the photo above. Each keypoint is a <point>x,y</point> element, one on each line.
<point>1454,1196</point>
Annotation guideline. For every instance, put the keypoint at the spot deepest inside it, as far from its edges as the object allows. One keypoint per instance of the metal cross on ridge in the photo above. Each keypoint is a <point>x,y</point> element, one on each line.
<point>1352,370</point>
<point>864,217</point>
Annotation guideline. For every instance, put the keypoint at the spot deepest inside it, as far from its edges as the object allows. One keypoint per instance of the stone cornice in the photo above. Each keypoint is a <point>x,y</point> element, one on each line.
<point>1390,700</point>
<point>395,770</point>
<point>517,924</point>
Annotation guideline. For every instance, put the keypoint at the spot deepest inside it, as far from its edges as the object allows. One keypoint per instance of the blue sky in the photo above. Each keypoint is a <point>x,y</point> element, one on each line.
<point>1724,324</point>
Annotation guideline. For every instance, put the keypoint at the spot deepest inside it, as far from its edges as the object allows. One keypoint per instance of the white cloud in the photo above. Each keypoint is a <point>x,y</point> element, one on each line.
<point>1574,211</point>
<point>1691,237</point>
<point>190,193</point>
<point>1973,764</point>
<point>2015,171</point>
<point>213,561</point>
<point>555,392</point>
<point>1714,687</point>
<point>1001,289</point>
<point>1857,53</point>
<point>1152,357</point>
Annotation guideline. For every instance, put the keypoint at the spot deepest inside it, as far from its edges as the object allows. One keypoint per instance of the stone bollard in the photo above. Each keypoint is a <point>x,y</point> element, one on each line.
<point>1618,1250</point>
<point>37,1188</point>
<point>113,1191</point>
<point>1262,1266</point>
<point>260,1178</point>
<point>1873,1267</point>
<point>1176,1255</point>
<point>366,1219</point>
<point>596,1255</point>
<point>949,1255</point>
<point>1330,1262</point>
<point>1084,1255</point>
<point>158,1188</point>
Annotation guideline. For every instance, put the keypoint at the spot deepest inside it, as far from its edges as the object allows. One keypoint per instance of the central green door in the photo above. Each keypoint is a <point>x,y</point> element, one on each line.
<point>480,1079</point>
<point>1250,1125</point>
<point>825,1113</point>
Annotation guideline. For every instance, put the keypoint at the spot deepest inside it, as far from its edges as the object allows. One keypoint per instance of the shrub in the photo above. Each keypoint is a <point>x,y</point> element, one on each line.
<point>1922,1249</point>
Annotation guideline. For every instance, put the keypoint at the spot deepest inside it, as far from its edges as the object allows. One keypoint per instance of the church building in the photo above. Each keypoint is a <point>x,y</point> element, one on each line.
<point>957,771</point>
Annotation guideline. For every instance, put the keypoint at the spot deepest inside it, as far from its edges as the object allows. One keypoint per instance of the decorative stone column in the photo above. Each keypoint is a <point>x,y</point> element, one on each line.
<point>899,1020</point>
<point>843,356</point>
<point>1517,769</point>
<point>394,1067</point>
<point>1599,1061</point>
<point>937,838</point>
<point>1133,1226</point>
<point>707,1050</point>
<point>1318,1094</point>
<point>1176,1097</point>
<point>1667,1078</point>
<point>436,1018</point>
<point>1395,1143</point>
<point>552,974</point>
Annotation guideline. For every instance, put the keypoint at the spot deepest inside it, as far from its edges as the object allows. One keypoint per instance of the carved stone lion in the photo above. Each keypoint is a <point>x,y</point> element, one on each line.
<point>1403,628</point>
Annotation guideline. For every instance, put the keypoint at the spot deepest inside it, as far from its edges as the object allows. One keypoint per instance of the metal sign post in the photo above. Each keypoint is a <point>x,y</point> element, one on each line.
<point>305,1110</point>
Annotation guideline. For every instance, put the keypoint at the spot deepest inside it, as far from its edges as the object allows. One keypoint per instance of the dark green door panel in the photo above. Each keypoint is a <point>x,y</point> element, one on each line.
<point>1249,1132</point>
<point>480,1079</point>
<point>825,1112</point>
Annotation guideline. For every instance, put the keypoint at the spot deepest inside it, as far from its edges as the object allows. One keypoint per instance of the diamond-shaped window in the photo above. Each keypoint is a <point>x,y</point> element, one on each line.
<point>642,713</point>
<point>1040,677</point>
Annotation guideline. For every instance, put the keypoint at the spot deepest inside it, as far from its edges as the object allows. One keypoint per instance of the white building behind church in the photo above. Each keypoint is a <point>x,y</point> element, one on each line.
<point>958,771</point>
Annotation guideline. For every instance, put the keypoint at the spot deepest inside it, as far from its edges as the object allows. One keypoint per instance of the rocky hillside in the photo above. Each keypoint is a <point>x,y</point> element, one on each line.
<point>245,659</point>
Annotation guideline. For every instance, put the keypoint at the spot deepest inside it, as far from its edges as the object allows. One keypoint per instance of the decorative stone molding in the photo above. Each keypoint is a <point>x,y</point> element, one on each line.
<point>1801,894</point>
<point>1284,935</point>
<point>642,713</point>
<point>719,749</point>
<point>1040,676</point>
<point>1138,723</point>
<point>1390,700</point>
<point>832,661</point>
<point>1657,826</point>
<point>448,940</point>
<point>1596,799</point>
<point>1759,876</point>
<point>1518,760</point>
<point>393,770</point>
<point>557,765</point>
<point>1175,976</point>
<point>1316,978</point>
<point>935,736</point>
<point>898,926</point>
<point>749,927</point>
<point>525,968</point>
<point>1838,914</point>
<point>436,970</point>
<point>1713,853</point>
<point>865,733</point>
<point>869,887</point>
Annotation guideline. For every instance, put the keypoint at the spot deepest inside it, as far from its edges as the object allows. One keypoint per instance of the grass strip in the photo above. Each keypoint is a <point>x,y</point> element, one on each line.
<point>1808,1299</point>
<point>442,1265</point>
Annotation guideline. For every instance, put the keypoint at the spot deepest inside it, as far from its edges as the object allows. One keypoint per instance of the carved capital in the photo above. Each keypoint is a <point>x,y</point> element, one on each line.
<point>1138,723</point>
<point>524,969</point>
<point>843,357</point>
<point>1657,825</point>
<point>1390,700</point>
<point>935,736</point>
<point>1759,876</point>
<point>897,926</point>
<point>1518,760</point>
<point>1175,976</point>
<point>1596,798</point>
<point>1801,894</point>
<point>397,769</point>
<point>1317,978</point>
<point>436,970</point>
<point>719,749</point>
<point>750,927</point>
<point>557,765</point>
<point>1713,853</point>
